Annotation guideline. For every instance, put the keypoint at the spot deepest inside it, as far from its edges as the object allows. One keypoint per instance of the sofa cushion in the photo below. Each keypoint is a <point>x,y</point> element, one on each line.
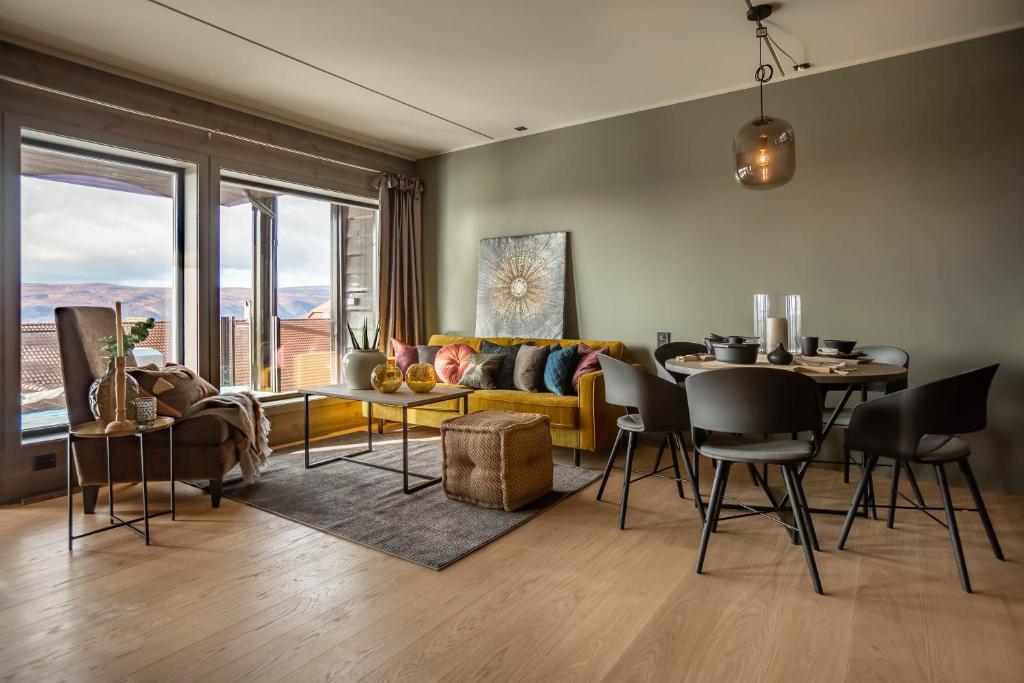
<point>482,371</point>
<point>558,370</point>
<point>562,410</point>
<point>427,354</point>
<point>405,354</point>
<point>508,364</point>
<point>587,363</point>
<point>529,369</point>
<point>451,362</point>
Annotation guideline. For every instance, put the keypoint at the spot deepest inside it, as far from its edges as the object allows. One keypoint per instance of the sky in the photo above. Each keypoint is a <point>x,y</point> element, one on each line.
<point>72,233</point>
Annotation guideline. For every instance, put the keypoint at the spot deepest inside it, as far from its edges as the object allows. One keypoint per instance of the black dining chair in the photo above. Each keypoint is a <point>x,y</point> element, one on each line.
<point>732,411</point>
<point>667,352</point>
<point>922,425</point>
<point>660,408</point>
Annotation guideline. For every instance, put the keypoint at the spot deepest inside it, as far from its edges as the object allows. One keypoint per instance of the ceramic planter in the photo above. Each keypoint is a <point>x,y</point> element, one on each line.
<point>358,365</point>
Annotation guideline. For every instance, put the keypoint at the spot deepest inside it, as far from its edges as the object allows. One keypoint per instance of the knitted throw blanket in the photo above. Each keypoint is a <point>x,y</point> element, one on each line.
<point>250,428</point>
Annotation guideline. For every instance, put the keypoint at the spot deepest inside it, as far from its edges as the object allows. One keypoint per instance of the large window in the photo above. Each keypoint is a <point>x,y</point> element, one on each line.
<point>295,266</point>
<point>95,229</point>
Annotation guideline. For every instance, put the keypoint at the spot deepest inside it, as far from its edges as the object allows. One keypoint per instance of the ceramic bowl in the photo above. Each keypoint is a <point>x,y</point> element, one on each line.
<point>841,345</point>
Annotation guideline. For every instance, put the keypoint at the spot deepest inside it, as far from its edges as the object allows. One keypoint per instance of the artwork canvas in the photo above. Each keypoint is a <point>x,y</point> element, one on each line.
<point>521,286</point>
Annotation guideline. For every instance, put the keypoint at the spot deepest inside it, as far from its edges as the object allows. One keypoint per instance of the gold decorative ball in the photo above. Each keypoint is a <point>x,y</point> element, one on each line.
<point>420,377</point>
<point>386,378</point>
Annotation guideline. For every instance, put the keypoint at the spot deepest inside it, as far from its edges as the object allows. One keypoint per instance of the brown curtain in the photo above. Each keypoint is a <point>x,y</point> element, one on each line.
<point>400,278</point>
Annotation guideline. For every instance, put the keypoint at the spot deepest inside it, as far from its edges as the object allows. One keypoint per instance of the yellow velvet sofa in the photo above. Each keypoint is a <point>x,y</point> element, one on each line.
<point>583,422</point>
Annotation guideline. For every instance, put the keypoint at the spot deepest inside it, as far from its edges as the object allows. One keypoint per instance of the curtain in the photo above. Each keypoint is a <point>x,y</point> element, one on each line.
<point>400,276</point>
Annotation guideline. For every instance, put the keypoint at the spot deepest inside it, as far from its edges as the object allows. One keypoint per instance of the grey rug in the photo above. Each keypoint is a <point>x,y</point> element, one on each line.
<point>366,505</point>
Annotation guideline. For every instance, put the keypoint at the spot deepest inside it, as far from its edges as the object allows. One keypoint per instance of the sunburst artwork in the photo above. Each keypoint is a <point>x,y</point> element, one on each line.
<point>521,286</point>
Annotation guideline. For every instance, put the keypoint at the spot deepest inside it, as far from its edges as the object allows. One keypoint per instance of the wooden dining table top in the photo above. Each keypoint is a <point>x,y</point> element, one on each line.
<point>862,373</point>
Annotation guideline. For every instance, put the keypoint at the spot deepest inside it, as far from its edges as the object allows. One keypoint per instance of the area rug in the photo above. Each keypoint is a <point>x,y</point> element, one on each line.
<point>366,505</point>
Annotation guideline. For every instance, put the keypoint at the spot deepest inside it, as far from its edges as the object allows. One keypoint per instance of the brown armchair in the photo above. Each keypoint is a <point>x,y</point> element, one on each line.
<point>203,444</point>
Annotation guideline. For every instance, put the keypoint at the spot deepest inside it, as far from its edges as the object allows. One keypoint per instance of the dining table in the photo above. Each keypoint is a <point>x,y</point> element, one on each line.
<point>848,374</point>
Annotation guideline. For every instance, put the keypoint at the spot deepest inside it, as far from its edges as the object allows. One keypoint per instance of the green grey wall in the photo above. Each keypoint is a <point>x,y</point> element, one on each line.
<point>902,225</point>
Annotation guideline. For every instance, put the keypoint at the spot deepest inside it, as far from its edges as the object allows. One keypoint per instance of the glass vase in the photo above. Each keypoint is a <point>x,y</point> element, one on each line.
<point>387,377</point>
<point>101,396</point>
<point>777,320</point>
<point>421,377</point>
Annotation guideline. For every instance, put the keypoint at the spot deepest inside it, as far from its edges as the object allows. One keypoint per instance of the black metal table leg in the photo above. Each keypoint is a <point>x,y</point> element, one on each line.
<point>170,448</point>
<point>110,485</point>
<point>305,431</point>
<point>71,535</point>
<point>145,489</point>
<point>405,449</point>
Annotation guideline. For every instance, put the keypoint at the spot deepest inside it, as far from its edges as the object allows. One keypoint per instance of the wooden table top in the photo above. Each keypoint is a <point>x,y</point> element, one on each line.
<point>857,374</point>
<point>404,397</point>
<point>93,430</point>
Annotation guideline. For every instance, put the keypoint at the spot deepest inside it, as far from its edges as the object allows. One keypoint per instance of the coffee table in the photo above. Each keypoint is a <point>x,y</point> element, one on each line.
<point>404,398</point>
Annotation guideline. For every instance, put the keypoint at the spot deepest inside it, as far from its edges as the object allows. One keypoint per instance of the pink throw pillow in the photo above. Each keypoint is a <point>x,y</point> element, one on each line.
<point>405,354</point>
<point>588,363</point>
<point>451,361</point>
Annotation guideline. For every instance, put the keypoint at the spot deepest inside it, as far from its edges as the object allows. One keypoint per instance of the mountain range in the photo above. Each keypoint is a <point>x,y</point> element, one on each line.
<point>39,299</point>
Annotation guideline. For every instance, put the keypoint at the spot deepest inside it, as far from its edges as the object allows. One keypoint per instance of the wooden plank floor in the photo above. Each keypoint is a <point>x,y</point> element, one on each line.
<point>240,594</point>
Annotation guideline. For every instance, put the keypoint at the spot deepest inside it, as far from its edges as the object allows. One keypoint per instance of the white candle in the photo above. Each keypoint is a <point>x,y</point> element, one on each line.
<point>777,333</point>
<point>118,334</point>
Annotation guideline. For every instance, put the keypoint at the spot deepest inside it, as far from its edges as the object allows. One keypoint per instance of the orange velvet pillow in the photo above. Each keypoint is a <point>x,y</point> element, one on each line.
<point>451,361</point>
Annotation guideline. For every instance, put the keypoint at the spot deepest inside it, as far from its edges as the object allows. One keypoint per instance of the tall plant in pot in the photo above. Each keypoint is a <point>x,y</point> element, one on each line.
<point>362,357</point>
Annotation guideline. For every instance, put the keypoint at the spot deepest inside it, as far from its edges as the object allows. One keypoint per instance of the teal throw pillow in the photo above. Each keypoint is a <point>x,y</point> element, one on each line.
<point>558,371</point>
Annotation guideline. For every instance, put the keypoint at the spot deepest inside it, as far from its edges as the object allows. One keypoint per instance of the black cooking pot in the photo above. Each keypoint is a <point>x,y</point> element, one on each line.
<point>740,354</point>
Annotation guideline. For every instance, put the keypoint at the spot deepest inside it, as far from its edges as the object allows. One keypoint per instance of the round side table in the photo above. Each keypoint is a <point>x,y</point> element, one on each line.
<point>93,430</point>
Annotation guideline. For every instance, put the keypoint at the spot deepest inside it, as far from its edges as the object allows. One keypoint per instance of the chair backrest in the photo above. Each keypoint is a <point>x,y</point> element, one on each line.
<point>82,359</point>
<point>667,352</point>
<point>894,424</point>
<point>661,403</point>
<point>754,401</point>
<point>890,355</point>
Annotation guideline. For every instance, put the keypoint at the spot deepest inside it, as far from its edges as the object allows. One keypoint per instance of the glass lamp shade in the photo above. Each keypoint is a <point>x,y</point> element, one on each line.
<point>765,153</point>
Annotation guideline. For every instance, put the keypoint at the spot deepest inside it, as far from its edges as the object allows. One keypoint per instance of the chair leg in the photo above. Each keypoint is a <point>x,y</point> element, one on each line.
<point>90,493</point>
<point>954,532</point>
<point>661,452</point>
<point>871,495</point>
<point>894,488</point>
<point>576,457</point>
<point>846,463</point>
<point>714,509</point>
<point>216,486</point>
<point>692,474</point>
<point>628,474</point>
<point>798,486</point>
<point>982,510</point>
<point>862,488</point>
<point>798,515</point>
<point>675,464</point>
<point>912,478</point>
<point>611,462</point>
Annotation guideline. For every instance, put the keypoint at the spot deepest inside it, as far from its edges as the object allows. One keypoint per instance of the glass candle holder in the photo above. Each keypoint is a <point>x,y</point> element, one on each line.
<point>145,410</point>
<point>777,316</point>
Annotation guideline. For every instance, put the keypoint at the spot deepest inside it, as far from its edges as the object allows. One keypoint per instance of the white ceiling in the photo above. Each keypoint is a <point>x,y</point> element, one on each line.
<point>488,65</point>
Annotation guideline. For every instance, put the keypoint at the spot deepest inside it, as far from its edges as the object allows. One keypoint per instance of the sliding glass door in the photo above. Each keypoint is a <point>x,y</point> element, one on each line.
<point>95,228</point>
<point>295,265</point>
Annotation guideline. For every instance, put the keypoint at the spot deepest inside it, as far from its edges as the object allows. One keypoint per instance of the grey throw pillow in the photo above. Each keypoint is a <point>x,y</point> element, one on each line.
<point>482,371</point>
<point>529,370</point>
<point>427,353</point>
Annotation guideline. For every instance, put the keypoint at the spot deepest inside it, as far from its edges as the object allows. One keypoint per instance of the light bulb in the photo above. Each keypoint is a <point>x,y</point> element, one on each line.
<point>762,157</point>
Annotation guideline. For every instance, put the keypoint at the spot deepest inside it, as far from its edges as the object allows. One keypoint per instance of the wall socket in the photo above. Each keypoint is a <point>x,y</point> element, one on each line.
<point>44,462</point>
<point>664,338</point>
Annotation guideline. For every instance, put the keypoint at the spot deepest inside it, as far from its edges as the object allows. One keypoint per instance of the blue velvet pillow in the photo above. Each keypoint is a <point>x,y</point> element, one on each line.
<point>558,370</point>
<point>508,364</point>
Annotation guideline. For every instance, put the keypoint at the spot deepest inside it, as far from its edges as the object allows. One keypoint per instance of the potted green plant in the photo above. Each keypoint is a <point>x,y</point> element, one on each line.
<point>362,357</point>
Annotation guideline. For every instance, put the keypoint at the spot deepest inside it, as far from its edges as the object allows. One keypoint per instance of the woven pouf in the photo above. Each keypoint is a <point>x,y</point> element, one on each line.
<point>497,458</point>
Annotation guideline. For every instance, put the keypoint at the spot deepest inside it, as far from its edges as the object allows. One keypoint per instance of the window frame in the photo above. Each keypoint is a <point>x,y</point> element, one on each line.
<point>339,308</point>
<point>178,243</point>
